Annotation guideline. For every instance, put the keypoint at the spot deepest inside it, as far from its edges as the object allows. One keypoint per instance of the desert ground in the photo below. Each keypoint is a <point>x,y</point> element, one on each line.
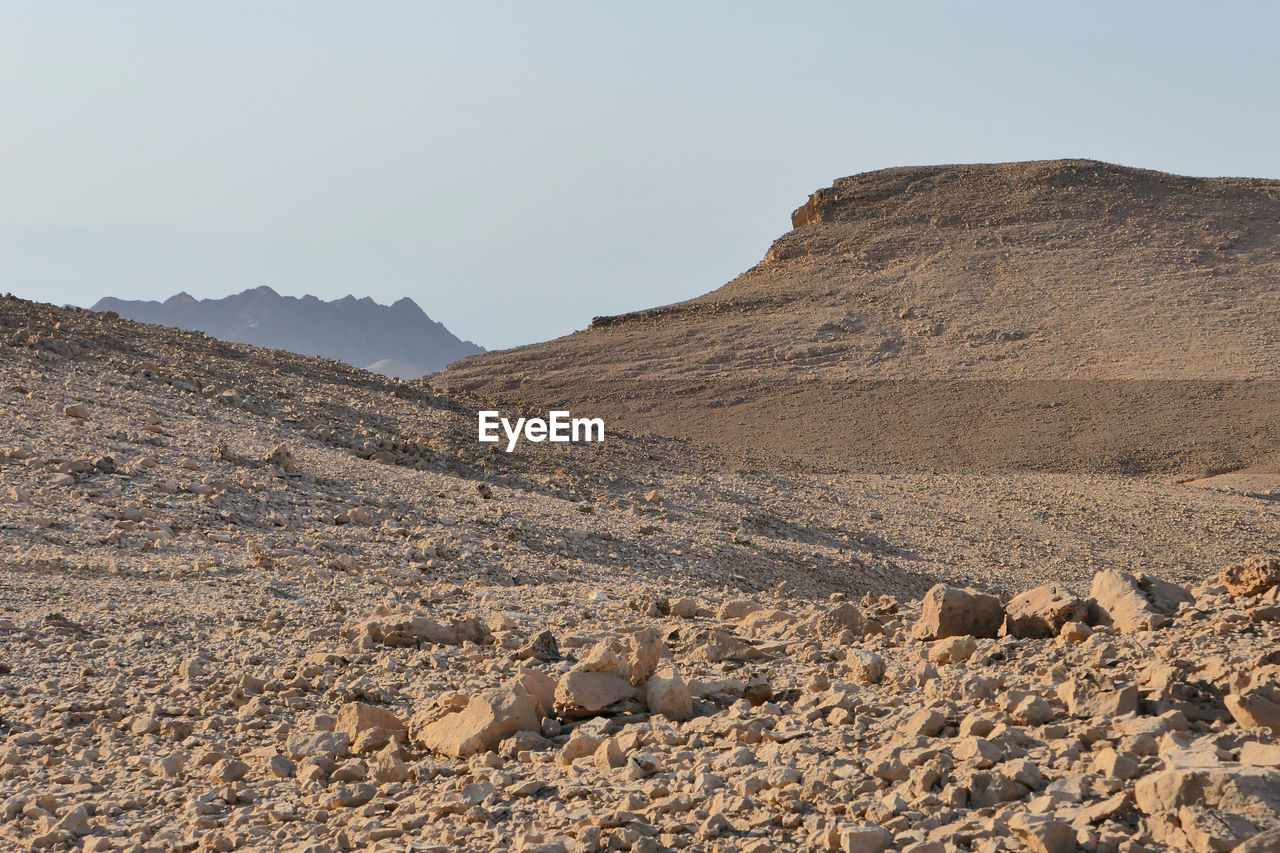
<point>254,600</point>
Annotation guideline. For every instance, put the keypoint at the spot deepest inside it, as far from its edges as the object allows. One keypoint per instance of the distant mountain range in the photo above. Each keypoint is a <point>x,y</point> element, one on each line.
<point>399,340</point>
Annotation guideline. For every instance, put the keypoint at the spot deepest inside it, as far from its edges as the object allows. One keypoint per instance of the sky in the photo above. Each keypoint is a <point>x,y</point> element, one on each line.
<point>518,168</point>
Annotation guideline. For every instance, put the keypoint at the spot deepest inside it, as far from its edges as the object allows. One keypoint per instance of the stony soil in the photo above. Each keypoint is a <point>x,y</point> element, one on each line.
<point>252,600</point>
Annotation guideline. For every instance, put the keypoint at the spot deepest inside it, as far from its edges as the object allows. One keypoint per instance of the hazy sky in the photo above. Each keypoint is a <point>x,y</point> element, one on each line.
<point>519,167</point>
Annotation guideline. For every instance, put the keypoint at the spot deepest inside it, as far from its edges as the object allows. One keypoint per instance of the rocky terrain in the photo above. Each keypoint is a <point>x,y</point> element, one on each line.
<point>258,601</point>
<point>397,340</point>
<point>1060,316</point>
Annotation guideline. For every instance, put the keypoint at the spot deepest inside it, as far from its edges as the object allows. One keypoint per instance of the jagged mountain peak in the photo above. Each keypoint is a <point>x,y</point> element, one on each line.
<point>398,339</point>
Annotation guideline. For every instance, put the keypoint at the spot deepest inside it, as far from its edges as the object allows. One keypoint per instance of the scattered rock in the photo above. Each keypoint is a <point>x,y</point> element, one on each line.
<point>1135,602</point>
<point>848,617</point>
<point>581,693</point>
<point>926,721</point>
<point>75,822</point>
<point>948,611</point>
<point>280,767</point>
<point>1044,610</point>
<point>1257,707</point>
<point>715,645</point>
<point>224,676</point>
<point>281,457</point>
<point>1260,754</point>
<point>488,718</point>
<point>1210,809</point>
<point>542,647</point>
<point>398,630</point>
<point>667,694</point>
<point>683,608</point>
<point>865,666</point>
<point>609,756</point>
<point>1254,576</point>
<point>953,649</point>
<point>1044,834</point>
<point>229,770</point>
<point>1089,696</point>
<point>736,609</point>
<point>368,727</point>
<point>315,743</point>
<point>864,839</point>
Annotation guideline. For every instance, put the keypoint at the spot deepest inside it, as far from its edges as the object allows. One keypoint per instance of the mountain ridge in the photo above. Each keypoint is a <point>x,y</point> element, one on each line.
<point>354,330</point>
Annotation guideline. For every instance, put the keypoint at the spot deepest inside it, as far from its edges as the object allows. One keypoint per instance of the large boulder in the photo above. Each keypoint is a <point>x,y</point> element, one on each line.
<point>1254,576</point>
<point>848,617</point>
<point>1210,809</point>
<point>865,665</point>
<point>485,721</point>
<point>867,838</point>
<point>1135,602</point>
<point>1257,707</point>
<point>948,611</point>
<point>1263,842</point>
<point>1089,696</point>
<point>952,649</point>
<point>582,693</point>
<point>644,649</point>
<point>614,670</point>
<point>713,645</point>
<point>735,609</point>
<point>540,686</point>
<point>666,693</point>
<point>542,647</point>
<point>305,744</point>
<point>368,726</point>
<point>1042,833</point>
<point>632,658</point>
<point>1043,610</point>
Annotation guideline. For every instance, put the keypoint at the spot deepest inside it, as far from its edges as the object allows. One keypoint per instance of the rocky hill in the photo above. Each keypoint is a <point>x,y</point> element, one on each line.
<point>1061,315</point>
<point>398,340</point>
<point>255,600</point>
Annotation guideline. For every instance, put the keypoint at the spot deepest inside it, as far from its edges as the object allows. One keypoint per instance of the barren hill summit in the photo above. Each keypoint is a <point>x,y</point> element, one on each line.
<point>397,340</point>
<point>1051,314</point>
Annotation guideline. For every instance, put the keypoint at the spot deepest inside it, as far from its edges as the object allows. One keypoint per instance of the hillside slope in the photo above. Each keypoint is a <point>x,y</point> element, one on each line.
<point>399,340</point>
<point>1052,315</point>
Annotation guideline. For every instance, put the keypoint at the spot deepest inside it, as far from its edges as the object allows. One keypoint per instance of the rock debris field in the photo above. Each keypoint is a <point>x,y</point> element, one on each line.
<point>257,601</point>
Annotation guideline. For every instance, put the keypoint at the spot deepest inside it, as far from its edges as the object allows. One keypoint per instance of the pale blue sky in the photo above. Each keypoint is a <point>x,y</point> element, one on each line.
<point>518,167</point>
